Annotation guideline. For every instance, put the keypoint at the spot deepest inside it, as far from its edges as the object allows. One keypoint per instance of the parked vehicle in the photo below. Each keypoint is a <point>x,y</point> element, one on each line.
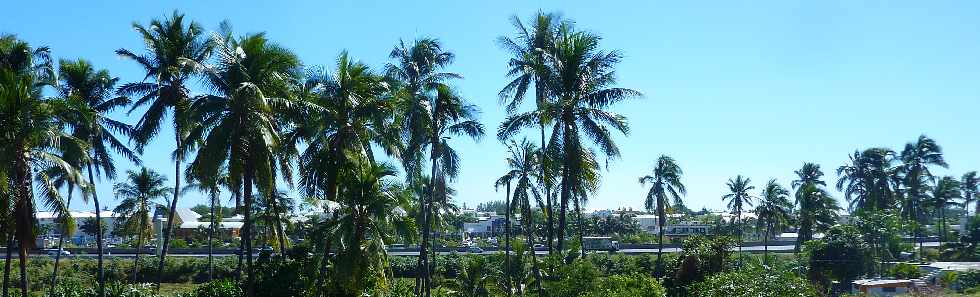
<point>599,243</point>
<point>474,250</point>
<point>55,252</point>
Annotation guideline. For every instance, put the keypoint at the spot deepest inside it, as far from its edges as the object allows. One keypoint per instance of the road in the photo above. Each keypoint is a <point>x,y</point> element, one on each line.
<point>783,248</point>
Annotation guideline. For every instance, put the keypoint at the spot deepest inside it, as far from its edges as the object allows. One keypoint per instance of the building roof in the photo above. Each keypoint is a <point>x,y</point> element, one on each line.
<point>41,215</point>
<point>882,282</point>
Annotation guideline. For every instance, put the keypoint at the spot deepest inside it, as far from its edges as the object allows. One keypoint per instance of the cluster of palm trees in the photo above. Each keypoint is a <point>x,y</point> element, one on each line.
<point>574,84</point>
<point>263,116</point>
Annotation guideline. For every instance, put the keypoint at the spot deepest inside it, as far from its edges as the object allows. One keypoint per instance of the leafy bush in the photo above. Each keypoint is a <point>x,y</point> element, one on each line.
<point>904,271</point>
<point>219,288</point>
<point>633,285</point>
<point>753,283</point>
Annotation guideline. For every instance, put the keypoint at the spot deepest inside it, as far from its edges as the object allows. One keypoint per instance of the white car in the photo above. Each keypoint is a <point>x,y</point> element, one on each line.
<point>54,252</point>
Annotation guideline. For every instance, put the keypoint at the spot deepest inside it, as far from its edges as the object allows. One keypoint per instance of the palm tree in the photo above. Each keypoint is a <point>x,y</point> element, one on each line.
<point>371,207</point>
<point>970,184</point>
<point>665,183</point>
<point>817,208</point>
<point>95,91</point>
<point>429,112</point>
<point>866,181</point>
<point>916,159</point>
<point>211,186</point>
<point>773,211</point>
<point>169,45</point>
<point>239,127</point>
<point>33,127</point>
<point>139,193</point>
<point>504,181</point>
<point>523,163</point>
<point>274,209</point>
<point>739,197</point>
<point>59,180</point>
<point>944,193</point>
<point>352,114</point>
<point>580,77</point>
<point>527,67</point>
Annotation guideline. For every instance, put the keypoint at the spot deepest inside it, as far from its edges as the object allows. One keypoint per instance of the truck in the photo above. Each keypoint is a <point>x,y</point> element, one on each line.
<point>599,243</point>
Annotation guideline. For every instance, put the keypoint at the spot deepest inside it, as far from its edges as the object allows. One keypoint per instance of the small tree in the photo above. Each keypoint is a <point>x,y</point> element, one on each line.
<point>842,255</point>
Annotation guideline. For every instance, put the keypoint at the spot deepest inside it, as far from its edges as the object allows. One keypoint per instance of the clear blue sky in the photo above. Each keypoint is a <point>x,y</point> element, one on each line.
<point>732,87</point>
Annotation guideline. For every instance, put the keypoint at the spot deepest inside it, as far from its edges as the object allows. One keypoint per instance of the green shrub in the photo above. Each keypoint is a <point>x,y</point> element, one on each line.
<point>219,288</point>
<point>633,285</point>
<point>753,283</point>
<point>904,271</point>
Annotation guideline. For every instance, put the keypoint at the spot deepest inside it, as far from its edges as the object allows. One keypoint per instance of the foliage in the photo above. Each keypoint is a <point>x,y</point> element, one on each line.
<point>904,271</point>
<point>219,288</point>
<point>754,282</point>
<point>842,255</point>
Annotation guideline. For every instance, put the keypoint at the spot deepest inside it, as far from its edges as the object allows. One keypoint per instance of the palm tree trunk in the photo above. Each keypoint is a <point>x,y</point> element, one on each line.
<point>24,285</point>
<point>563,207</point>
<point>211,239</point>
<point>765,244</point>
<point>280,232</point>
<point>167,232</point>
<point>98,233</point>
<point>529,233</point>
<point>581,225</point>
<point>139,248</point>
<point>507,268</point>
<point>547,190</point>
<point>61,242</point>
<point>247,236</point>
<point>6,265</point>
<point>658,271</point>
<point>326,255</point>
<point>942,226</point>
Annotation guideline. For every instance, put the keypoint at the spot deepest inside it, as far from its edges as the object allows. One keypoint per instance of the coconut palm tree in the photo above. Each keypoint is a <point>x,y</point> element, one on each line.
<point>59,180</point>
<point>239,126</point>
<point>371,207</point>
<point>665,183</point>
<point>430,111</point>
<point>140,194</point>
<point>527,67</point>
<point>524,175</point>
<point>773,211</point>
<point>170,43</point>
<point>866,180</point>
<point>817,208</point>
<point>970,184</point>
<point>916,159</point>
<point>96,92</point>
<point>945,191</point>
<point>581,79</point>
<point>211,186</point>
<point>34,133</point>
<point>273,210</point>
<point>738,198</point>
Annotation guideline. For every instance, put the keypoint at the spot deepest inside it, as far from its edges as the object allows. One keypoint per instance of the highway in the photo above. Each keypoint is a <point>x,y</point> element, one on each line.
<point>646,249</point>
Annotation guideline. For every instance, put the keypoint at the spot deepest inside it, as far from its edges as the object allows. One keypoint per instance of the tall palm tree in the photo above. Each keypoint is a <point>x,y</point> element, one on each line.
<point>665,183</point>
<point>139,193</point>
<point>371,207</point>
<point>945,192</point>
<point>524,174</point>
<point>353,113</point>
<point>163,90</point>
<point>274,210</point>
<point>738,198</point>
<point>527,67</point>
<point>866,180</point>
<point>429,112</point>
<point>34,132</point>
<point>59,180</point>
<point>239,126</point>
<point>95,90</point>
<point>773,211</point>
<point>970,184</point>
<point>817,208</point>
<point>504,181</point>
<point>581,79</point>
<point>916,159</point>
<point>211,186</point>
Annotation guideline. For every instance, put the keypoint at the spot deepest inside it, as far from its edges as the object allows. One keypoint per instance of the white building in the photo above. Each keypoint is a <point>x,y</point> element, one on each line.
<point>46,220</point>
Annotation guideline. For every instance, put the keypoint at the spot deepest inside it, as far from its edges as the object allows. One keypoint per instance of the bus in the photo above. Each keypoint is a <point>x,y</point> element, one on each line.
<point>599,243</point>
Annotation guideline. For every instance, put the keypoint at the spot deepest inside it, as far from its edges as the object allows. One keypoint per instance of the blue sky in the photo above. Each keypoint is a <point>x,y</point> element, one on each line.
<point>731,87</point>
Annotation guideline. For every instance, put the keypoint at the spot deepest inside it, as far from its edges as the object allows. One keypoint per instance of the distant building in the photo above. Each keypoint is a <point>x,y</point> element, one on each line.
<point>882,287</point>
<point>191,221</point>
<point>489,224</point>
<point>46,220</point>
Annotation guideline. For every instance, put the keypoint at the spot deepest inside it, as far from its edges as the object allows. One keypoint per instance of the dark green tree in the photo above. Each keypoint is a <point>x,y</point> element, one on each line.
<point>665,185</point>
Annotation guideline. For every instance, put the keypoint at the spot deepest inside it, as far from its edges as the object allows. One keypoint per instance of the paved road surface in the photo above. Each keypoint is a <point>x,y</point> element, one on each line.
<point>752,249</point>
